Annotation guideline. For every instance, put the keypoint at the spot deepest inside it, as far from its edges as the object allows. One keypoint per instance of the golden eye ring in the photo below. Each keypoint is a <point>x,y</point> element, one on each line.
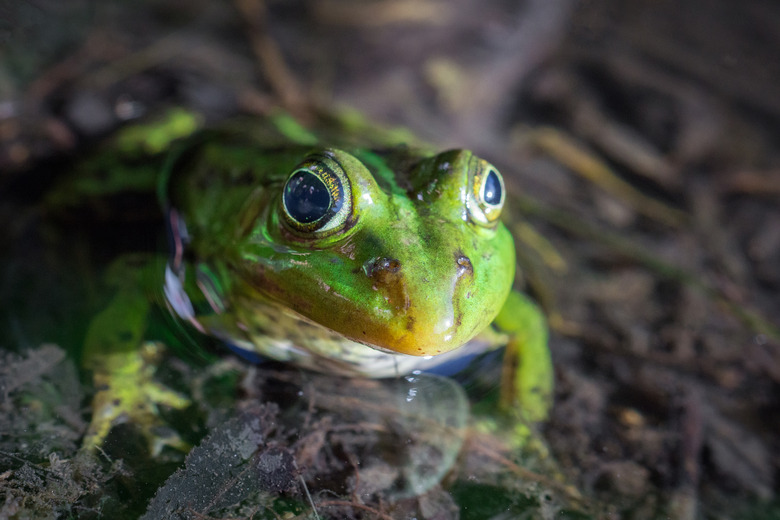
<point>317,197</point>
<point>487,194</point>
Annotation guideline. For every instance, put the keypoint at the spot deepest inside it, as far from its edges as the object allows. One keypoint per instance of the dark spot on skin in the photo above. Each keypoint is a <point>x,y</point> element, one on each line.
<point>410,323</point>
<point>388,277</point>
<point>117,402</point>
<point>382,270</point>
<point>464,265</point>
<point>389,264</point>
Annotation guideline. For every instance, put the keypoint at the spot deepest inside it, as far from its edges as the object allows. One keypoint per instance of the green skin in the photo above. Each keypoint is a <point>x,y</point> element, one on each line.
<point>415,264</point>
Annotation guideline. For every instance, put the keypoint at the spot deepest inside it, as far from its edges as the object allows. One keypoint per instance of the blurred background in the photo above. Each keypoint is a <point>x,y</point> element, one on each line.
<point>639,141</point>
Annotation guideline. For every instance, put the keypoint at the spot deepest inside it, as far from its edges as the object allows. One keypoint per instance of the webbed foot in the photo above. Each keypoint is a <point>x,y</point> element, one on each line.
<point>127,392</point>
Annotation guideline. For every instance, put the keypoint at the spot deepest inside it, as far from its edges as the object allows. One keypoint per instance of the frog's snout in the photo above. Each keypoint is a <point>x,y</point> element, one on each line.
<point>425,303</point>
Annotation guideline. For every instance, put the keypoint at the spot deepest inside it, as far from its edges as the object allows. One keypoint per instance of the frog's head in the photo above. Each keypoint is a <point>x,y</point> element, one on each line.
<point>403,254</point>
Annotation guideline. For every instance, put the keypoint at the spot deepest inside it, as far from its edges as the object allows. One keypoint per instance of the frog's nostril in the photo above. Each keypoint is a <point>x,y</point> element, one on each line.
<point>464,265</point>
<point>387,277</point>
<point>382,269</point>
<point>387,264</point>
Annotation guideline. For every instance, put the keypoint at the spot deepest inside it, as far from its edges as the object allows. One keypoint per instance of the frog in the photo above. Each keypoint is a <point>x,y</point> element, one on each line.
<point>349,253</point>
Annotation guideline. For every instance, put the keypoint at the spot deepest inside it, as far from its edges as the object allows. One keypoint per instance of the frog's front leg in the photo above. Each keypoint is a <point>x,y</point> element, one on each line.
<point>527,375</point>
<point>123,366</point>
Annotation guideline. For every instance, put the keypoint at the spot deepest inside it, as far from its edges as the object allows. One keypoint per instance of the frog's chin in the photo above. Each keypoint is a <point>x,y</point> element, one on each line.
<point>415,349</point>
<point>419,349</point>
<point>383,337</point>
<point>419,342</point>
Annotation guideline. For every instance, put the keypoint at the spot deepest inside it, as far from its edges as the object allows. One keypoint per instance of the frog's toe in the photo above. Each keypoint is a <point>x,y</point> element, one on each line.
<point>113,406</point>
<point>168,438</point>
<point>130,395</point>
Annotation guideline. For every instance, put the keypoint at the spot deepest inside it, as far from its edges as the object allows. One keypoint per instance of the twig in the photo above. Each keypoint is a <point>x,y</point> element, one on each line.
<point>270,57</point>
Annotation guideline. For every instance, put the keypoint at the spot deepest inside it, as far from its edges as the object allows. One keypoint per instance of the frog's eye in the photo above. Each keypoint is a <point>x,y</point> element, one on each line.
<point>317,198</point>
<point>487,194</point>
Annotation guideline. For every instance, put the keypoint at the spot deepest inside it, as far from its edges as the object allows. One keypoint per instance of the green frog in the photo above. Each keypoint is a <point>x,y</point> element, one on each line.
<point>337,251</point>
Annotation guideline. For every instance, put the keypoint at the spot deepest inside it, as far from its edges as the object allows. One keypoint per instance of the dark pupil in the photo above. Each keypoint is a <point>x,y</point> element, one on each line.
<point>492,193</point>
<point>306,197</point>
